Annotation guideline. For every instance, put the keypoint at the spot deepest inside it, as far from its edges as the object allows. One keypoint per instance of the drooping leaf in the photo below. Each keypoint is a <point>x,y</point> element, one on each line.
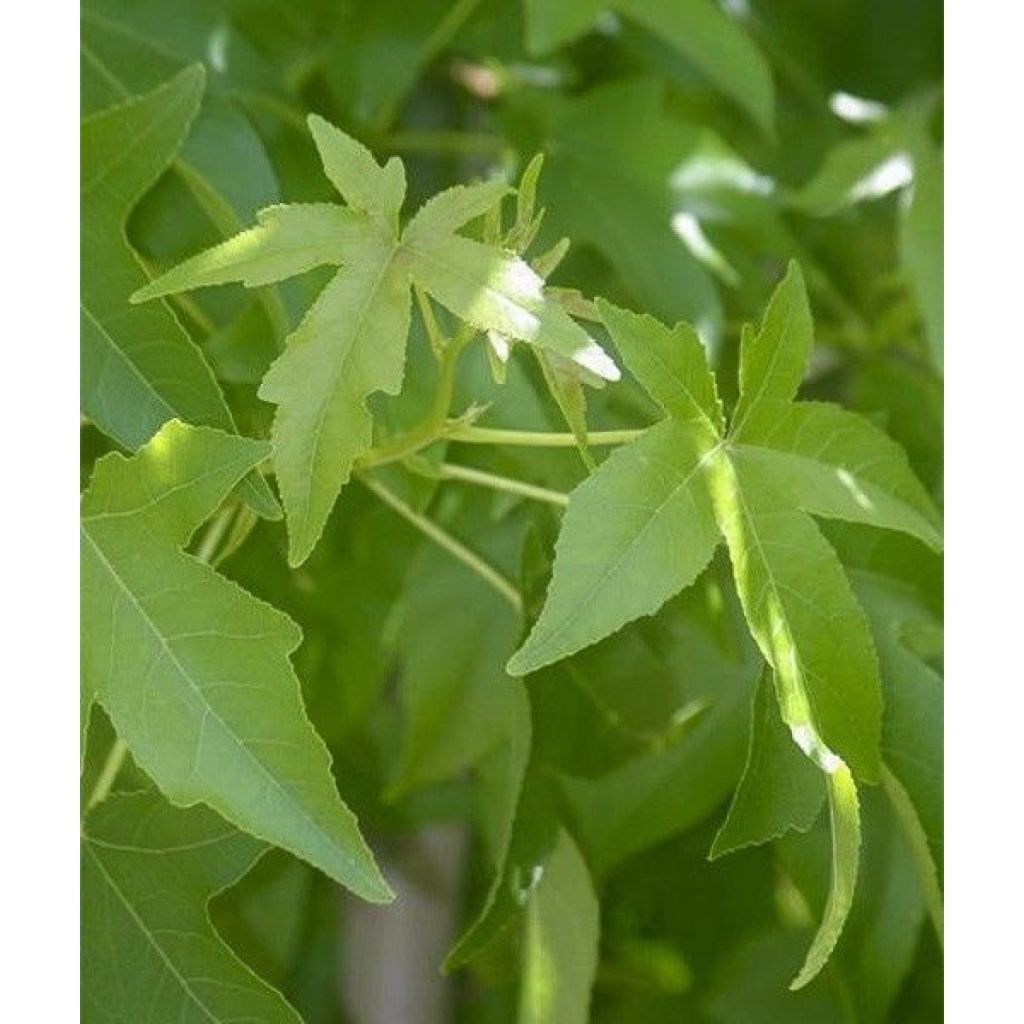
<point>780,790</point>
<point>844,813</point>
<point>192,670</point>
<point>149,951</point>
<point>351,342</point>
<point>560,941</point>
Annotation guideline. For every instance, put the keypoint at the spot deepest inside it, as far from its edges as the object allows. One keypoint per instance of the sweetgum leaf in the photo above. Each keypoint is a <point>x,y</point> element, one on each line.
<point>192,670</point>
<point>149,951</point>
<point>138,366</point>
<point>635,533</point>
<point>351,342</point>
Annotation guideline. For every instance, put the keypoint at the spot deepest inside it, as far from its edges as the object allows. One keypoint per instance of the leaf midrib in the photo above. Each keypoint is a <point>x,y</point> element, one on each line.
<point>144,928</point>
<point>123,586</point>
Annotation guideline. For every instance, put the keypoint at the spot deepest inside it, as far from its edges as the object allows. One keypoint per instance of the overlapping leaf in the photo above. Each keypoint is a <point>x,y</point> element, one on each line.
<point>138,368</point>
<point>351,342</point>
<point>648,521</point>
<point>149,951</point>
<point>193,671</point>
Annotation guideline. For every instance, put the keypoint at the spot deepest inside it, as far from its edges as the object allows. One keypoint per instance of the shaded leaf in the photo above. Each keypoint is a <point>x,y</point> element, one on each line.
<point>149,951</point>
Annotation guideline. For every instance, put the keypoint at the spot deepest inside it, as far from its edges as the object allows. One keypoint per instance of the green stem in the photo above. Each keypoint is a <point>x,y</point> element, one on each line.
<point>434,425</point>
<point>444,540</point>
<point>109,771</point>
<point>214,534</point>
<point>449,471</point>
<point>539,438</point>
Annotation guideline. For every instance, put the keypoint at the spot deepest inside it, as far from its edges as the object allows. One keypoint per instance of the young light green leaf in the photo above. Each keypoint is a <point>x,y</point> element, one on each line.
<point>138,366</point>
<point>773,359</point>
<point>495,291</point>
<point>362,182</point>
<point>838,465</point>
<point>637,531</point>
<point>670,364</point>
<point>352,340</point>
<point>452,209</point>
<point>560,941</point>
<point>803,615</point>
<point>844,812</point>
<point>350,343</point>
<point>286,241</point>
<point>193,671</point>
<point>149,951</point>
<point>780,790</point>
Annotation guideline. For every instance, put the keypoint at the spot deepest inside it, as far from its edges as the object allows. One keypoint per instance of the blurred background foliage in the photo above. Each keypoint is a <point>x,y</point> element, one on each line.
<point>691,149</point>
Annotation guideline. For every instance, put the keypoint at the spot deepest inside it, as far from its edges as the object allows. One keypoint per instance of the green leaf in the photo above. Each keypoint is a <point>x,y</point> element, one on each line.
<point>780,790</point>
<point>844,812</point>
<point>360,180</point>
<point>351,342</point>
<point>773,358</point>
<point>138,366</point>
<point>802,612</point>
<point>671,365</point>
<point>457,700</point>
<point>192,670</point>
<point>149,951</point>
<point>530,835</point>
<point>838,465</point>
<point>699,29</point>
<point>846,175</point>
<point>453,209</point>
<point>635,533</point>
<point>596,191</point>
<point>560,941</point>
<point>287,240</point>
<point>495,291</point>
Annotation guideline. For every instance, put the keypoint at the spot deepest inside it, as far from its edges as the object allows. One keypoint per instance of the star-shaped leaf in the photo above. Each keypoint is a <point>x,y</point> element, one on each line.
<point>149,951</point>
<point>351,341</point>
<point>139,367</point>
<point>647,522</point>
<point>192,670</point>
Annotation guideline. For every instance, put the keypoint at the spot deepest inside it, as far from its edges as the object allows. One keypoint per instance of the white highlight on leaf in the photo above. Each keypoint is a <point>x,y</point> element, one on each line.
<point>217,49</point>
<point>809,742</point>
<point>856,492</point>
<point>687,227</point>
<point>856,109</point>
<point>894,173</point>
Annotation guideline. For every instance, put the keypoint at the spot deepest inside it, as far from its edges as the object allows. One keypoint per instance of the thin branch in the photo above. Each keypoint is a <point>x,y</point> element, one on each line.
<point>449,471</point>
<point>444,540</point>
